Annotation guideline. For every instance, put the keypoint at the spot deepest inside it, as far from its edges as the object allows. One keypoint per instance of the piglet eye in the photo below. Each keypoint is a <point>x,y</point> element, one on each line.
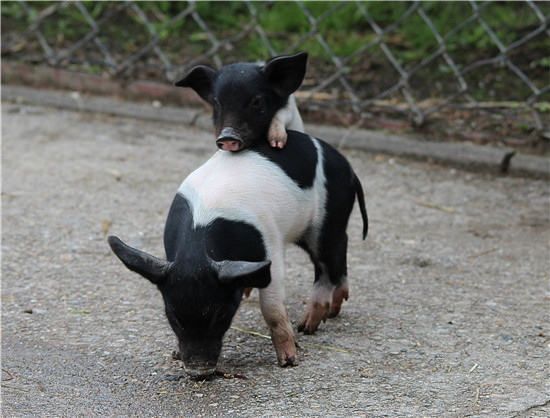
<point>258,104</point>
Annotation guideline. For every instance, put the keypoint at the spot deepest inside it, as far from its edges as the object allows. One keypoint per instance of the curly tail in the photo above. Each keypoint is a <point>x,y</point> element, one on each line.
<point>361,201</point>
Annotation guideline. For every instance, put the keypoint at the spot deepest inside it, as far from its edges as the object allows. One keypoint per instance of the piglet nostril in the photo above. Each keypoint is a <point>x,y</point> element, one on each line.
<point>229,140</point>
<point>229,145</point>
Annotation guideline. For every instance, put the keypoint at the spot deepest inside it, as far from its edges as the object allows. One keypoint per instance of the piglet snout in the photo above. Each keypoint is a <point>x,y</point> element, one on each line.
<point>229,140</point>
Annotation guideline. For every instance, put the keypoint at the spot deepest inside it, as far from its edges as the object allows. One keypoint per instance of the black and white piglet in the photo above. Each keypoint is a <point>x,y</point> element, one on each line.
<point>253,106</point>
<point>231,219</point>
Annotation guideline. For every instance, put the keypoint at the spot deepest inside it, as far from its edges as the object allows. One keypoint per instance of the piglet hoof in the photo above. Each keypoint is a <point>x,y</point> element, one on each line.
<point>247,291</point>
<point>277,134</point>
<point>285,345</point>
<point>315,313</point>
<point>289,361</point>
<point>338,296</point>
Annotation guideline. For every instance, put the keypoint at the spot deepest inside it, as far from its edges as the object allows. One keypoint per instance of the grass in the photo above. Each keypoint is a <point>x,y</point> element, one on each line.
<point>342,25</point>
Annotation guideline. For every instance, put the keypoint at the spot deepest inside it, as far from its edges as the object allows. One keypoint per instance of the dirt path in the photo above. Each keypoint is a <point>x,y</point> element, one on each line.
<point>448,314</point>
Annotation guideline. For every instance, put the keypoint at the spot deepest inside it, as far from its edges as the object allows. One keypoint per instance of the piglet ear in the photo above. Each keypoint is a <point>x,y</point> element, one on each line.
<point>244,273</point>
<point>286,73</point>
<point>200,79</point>
<point>150,267</point>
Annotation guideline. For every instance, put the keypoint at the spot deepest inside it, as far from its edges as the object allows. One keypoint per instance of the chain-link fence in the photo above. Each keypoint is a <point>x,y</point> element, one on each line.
<point>475,65</point>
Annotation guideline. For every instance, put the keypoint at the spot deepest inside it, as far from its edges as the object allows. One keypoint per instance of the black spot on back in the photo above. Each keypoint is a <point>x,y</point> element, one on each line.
<point>298,159</point>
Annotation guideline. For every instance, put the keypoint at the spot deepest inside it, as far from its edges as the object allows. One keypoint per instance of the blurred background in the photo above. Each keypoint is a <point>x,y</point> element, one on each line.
<point>447,71</point>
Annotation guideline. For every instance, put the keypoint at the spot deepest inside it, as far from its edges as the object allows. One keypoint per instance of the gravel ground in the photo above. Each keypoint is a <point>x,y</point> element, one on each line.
<point>448,312</point>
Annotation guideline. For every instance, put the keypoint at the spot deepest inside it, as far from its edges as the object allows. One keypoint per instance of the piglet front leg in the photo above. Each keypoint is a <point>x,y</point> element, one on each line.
<point>285,345</point>
<point>286,118</point>
<point>277,132</point>
<point>276,318</point>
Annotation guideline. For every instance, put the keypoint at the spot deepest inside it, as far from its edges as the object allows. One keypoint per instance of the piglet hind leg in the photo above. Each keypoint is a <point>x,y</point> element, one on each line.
<point>330,288</point>
<point>324,303</point>
<point>339,294</point>
<point>318,307</point>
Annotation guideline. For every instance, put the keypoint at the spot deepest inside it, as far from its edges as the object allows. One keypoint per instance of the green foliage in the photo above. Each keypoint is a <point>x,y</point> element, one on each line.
<point>341,24</point>
<point>13,10</point>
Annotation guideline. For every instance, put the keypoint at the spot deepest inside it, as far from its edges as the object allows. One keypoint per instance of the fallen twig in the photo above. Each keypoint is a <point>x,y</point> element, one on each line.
<point>476,397</point>
<point>231,375</point>
<point>165,392</point>
<point>251,332</point>
<point>14,388</point>
<point>10,377</point>
<point>492,250</point>
<point>105,224</point>
<point>434,206</point>
<point>326,347</point>
<point>341,350</point>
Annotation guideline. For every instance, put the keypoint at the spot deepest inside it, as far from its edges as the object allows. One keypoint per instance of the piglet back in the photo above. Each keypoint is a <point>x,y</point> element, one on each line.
<point>299,160</point>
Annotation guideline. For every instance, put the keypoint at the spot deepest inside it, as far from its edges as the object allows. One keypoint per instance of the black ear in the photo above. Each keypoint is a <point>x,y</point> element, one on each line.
<point>244,273</point>
<point>200,79</point>
<point>286,73</point>
<point>150,267</point>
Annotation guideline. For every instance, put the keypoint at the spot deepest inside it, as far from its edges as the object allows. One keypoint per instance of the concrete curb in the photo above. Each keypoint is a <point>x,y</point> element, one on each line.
<point>463,155</point>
